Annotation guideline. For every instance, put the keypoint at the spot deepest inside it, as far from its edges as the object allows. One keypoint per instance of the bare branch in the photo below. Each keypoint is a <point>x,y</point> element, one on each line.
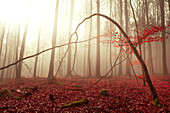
<point>41,53</point>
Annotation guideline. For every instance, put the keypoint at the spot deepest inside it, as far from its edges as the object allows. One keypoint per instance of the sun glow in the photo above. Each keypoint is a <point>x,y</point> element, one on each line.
<point>14,11</point>
<point>18,12</point>
<point>38,13</point>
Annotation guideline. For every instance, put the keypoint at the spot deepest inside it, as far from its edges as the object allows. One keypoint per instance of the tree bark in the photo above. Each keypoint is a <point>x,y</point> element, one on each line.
<point>2,38</point>
<point>89,44</point>
<point>98,42</point>
<point>165,69</point>
<point>111,38</point>
<point>149,44</point>
<point>70,29</point>
<point>127,31</point>
<point>19,65</point>
<point>36,58</point>
<point>51,69</point>
<point>121,24</point>
<point>5,56</point>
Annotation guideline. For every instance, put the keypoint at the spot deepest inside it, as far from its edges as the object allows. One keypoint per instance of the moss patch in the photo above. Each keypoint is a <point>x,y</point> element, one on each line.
<point>76,103</point>
<point>75,85</point>
<point>18,98</point>
<point>157,103</point>
<point>58,83</point>
<point>104,92</point>
<point>8,92</point>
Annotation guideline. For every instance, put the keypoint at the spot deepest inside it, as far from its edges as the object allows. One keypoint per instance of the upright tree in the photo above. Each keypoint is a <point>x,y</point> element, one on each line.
<point>17,46</point>
<point>165,69</point>
<point>36,58</point>
<point>121,24</point>
<point>98,42</point>
<point>5,56</point>
<point>127,31</point>
<point>19,65</point>
<point>51,69</point>
<point>69,51</point>
<point>89,44</point>
<point>111,38</point>
<point>2,38</point>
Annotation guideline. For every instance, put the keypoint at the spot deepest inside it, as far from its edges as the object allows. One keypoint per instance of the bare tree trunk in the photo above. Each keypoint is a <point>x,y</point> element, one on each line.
<point>2,38</point>
<point>5,56</point>
<point>89,44</point>
<point>169,5</point>
<point>69,51</point>
<point>121,23</point>
<point>98,42</point>
<point>9,56</point>
<point>19,65</point>
<point>111,37</point>
<point>36,58</point>
<point>127,31</point>
<point>165,69</point>
<point>17,46</point>
<point>51,69</point>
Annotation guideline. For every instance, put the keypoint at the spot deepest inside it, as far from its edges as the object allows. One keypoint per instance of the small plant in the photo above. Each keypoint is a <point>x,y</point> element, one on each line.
<point>104,92</point>
<point>8,92</point>
<point>18,98</point>
<point>157,103</point>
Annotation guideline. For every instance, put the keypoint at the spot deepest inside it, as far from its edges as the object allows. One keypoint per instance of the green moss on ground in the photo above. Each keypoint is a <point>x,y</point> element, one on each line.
<point>104,92</point>
<point>75,85</point>
<point>58,83</point>
<point>76,103</point>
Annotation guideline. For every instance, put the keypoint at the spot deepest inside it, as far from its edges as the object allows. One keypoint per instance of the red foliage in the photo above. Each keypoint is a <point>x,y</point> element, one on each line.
<point>126,95</point>
<point>141,76</point>
<point>144,37</point>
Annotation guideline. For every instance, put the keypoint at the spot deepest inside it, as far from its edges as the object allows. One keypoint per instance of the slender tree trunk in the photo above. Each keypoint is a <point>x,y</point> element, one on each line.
<point>169,5</point>
<point>51,69</point>
<point>19,65</point>
<point>98,42</point>
<point>69,51</point>
<point>165,69</point>
<point>89,44</point>
<point>42,65</point>
<point>111,37</point>
<point>5,56</point>
<point>36,58</point>
<point>9,56</point>
<point>17,46</point>
<point>121,23</point>
<point>149,44</point>
<point>127,31</point>
<point>2,38</point>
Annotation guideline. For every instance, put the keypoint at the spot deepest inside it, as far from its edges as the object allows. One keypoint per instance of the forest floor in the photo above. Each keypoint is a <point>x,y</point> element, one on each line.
<point>42,95</point>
